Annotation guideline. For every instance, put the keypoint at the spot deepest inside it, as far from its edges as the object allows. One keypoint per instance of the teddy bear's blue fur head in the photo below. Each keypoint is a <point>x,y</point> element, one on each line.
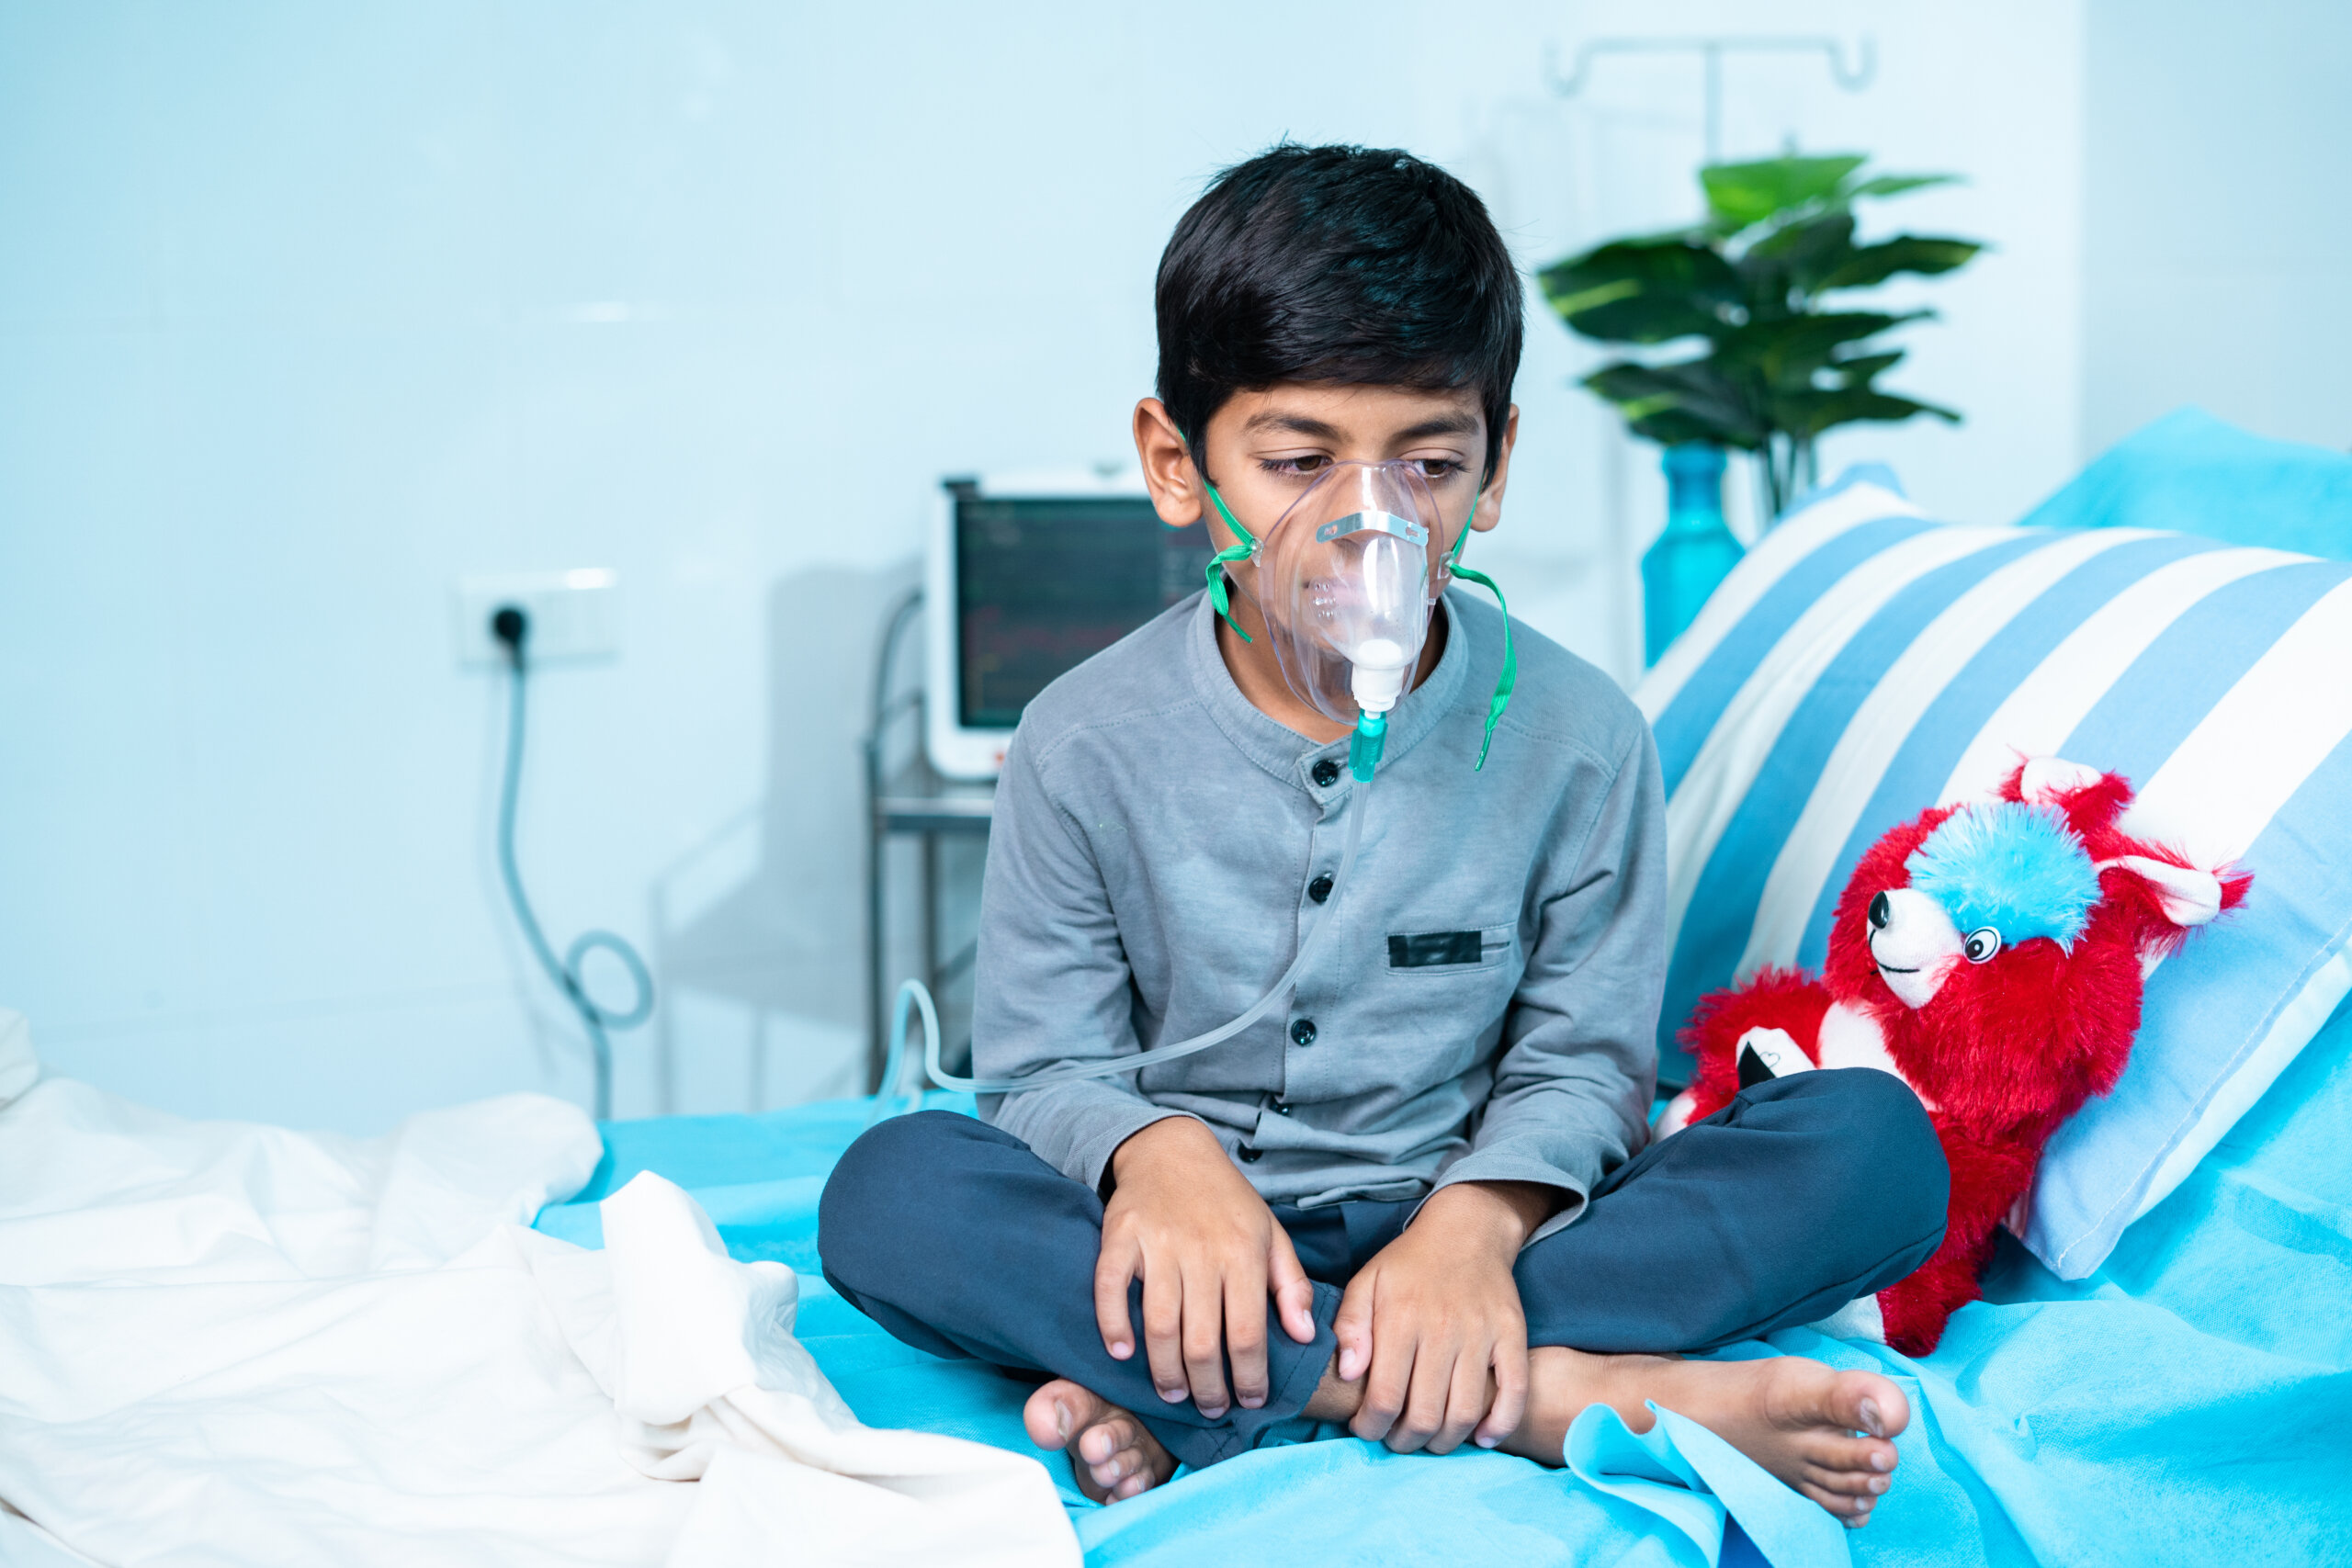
<point>2016,867</point>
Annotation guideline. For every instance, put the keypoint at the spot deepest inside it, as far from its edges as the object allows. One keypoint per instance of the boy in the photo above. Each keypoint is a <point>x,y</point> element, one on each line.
<point>1368,1206</point>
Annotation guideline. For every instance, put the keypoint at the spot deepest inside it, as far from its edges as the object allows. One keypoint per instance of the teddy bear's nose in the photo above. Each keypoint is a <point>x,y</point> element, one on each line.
<point>1881,911</point>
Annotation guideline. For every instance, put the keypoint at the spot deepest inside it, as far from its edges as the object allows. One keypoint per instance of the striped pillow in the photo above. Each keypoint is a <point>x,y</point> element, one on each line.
<point>1864,663</point>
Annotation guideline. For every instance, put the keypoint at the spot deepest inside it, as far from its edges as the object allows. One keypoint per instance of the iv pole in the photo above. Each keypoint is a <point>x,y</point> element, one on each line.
<point>1853,78</point>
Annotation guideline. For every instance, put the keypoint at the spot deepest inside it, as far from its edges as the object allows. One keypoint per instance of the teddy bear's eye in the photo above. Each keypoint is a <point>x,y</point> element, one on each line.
<point>1982,944</point>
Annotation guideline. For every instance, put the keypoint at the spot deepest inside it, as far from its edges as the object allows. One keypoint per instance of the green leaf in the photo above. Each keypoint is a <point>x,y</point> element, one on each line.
<point>1858,370</point>
<point>1593,298</point>
<point>1906,253</point>
<point>1812,237</point>
<point>1805,414</point>
<point>1672,427</point>
<point>1643,291</point>
<point>1691,400</point>
<point>1742,195</point>
<point>1896,184</point>
<point>1788,352</point>
<point>1791,259</point>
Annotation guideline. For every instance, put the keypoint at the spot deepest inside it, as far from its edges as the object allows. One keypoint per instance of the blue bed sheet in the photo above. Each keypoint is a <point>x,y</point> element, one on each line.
<point>2190,1405</point>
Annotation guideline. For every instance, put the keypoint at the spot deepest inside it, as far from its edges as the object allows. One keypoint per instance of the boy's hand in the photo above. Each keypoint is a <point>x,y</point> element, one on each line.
<point>1209,1251</point>
<point>1436,1314</point>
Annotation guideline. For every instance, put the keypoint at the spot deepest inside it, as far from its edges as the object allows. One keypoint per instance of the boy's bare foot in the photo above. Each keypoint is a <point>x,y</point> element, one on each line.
<point>1796,1417</point>
<point>1113,1454</point>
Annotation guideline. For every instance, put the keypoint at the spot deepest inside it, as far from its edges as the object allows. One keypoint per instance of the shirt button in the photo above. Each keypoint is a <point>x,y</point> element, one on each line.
<point>1280,1108</point>
<point>1319,889</point>
<point>1326,772</point>
<point>1301,1031</point>
<point>1249,1156</point>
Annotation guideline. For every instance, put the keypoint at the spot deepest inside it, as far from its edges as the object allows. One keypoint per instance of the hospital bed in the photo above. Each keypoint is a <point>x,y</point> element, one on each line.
<point>2161,1371</point>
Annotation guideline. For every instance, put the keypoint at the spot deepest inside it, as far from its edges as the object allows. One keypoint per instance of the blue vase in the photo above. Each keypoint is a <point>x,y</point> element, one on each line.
<point>1694,554</point>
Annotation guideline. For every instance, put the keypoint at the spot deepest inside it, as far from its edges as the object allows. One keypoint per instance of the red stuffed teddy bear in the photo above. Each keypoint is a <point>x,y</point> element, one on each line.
<point>1989,955</point>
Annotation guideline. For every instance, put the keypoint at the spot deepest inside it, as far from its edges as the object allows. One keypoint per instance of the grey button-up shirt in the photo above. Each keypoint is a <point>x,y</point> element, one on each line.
<point>1484,1009</point>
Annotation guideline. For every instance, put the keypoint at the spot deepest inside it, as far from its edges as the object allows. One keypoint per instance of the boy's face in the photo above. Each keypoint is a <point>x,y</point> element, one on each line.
<point>1263,450</point>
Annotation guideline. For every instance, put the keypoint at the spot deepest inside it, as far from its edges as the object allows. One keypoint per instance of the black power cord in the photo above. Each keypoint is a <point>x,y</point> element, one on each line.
<point>511,626</point>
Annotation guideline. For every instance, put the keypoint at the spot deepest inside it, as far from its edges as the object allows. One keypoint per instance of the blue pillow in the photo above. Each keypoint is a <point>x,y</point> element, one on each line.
<point>1864,663</point>
<point>2191,472</point>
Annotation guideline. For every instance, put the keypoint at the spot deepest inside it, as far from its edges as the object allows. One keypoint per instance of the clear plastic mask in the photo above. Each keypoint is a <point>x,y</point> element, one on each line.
<point>1345,581</point>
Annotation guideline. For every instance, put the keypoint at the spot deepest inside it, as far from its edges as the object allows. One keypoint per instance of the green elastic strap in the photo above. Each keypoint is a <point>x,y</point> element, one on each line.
<point>1463,537</point>
<point>1242,551</point>
<point>1509,677</point>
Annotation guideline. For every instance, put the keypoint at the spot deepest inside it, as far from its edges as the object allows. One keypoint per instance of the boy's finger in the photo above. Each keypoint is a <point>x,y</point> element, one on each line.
<point>1113,1268</point>
<point>1205,1342</point>
<point>1163,1323</point>
<point>1511,1395</point>
<point>1353,1328</point>
<point>1244,1339</point>
<point>1466,1403</point>
<point>1385,1386</point>
<point>1424,1413</point>
<point>1294,1293</point>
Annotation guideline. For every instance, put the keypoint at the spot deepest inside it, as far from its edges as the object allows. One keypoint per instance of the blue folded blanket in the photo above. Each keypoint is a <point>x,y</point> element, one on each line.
<point>2190,1404</point>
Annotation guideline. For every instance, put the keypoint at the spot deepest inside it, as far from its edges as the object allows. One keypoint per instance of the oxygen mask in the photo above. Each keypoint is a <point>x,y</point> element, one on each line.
<point>1345,581</point>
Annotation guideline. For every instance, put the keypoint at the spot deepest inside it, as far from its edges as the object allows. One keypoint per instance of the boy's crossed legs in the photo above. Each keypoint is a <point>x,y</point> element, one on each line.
<point>1804,1193</point>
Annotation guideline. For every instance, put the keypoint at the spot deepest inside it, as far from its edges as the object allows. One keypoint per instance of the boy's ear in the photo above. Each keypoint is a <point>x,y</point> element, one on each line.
<point>1490,500</point>
<point>1167,471</point>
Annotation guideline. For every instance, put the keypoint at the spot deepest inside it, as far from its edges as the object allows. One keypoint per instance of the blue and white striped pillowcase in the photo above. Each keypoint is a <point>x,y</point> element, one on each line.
<point>1863,663</point>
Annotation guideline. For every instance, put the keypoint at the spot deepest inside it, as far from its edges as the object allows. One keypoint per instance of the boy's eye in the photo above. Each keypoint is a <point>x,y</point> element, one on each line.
<point>1314,463</point>
<point>1439,468</point>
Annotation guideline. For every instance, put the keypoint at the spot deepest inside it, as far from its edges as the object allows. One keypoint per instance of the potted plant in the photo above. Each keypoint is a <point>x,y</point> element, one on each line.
<point>1779,361</point>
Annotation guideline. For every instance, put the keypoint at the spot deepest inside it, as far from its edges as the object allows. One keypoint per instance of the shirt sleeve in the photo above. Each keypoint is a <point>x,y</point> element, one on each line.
<point>1579,1062</point>
<point>1051,983</point>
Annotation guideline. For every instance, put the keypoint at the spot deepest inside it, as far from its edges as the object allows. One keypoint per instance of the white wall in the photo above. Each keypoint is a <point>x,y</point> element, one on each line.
<point>307,312</point>
<point>2218,235</point>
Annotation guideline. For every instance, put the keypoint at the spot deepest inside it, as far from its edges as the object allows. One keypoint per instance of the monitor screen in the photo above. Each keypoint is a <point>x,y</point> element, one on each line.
<point>1045,582</point>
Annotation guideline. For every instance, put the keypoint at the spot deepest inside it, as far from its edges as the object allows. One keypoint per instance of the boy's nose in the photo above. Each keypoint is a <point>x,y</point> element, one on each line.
<point>1881,911</point>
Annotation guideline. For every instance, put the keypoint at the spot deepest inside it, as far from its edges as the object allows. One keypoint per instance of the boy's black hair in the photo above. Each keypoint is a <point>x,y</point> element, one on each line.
<point>1341,264</point>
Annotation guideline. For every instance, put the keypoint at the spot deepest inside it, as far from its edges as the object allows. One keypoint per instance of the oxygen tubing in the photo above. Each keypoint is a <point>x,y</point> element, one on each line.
<point>914,996</point>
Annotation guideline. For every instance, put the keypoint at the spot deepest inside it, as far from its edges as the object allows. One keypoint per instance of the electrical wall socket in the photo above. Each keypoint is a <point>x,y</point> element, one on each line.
<point>574,615</point>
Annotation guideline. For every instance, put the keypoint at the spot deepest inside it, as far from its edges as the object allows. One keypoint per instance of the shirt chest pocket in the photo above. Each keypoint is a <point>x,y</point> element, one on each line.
<point>1431,955</point>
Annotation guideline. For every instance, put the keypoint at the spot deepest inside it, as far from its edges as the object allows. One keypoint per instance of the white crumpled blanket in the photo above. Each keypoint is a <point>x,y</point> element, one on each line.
<point>240,1344</point>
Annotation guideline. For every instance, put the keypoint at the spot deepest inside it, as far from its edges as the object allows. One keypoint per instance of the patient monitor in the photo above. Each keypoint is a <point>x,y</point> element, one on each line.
<point>1028,575</point>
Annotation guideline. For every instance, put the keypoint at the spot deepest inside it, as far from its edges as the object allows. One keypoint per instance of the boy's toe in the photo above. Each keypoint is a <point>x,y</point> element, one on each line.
<point>1057,1412</point>
<point>1865,1402</point>
<point>1829,1450</point>
<point>1846,1482</point>
<point>1853,1512</point>
<point>1119,1467</point>
<point>1098,1444</point>
<point>1108,1436</point>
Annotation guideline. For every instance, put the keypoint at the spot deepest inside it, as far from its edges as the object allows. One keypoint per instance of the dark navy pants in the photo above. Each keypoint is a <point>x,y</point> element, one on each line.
<point>1802,1194</point>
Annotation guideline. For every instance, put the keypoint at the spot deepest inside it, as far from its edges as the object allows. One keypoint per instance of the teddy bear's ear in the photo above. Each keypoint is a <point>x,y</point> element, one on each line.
<point>2091,800</point>
<point>2047,781</point>
<point>2186,895</point>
